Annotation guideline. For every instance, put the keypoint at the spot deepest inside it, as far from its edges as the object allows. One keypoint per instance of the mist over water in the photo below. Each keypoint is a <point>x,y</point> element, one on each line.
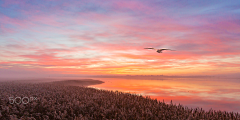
<point>207,93</point>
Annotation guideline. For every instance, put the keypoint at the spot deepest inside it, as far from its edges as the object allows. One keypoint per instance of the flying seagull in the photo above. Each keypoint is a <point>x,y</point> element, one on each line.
<point>159,50</point>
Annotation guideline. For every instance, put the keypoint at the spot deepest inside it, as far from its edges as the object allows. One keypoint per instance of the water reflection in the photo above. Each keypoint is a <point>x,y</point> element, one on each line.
<point>218,94</point>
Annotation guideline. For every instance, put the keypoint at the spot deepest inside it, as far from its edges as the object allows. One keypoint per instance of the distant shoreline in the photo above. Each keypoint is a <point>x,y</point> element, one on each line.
<point>70,82</point>
<point>79,82</point>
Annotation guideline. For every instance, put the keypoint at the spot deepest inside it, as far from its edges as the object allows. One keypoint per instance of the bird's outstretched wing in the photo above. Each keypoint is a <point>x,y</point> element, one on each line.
<point>159,50</point>
<point>165,49</point>
<point>168,49</point>
<point>149,48</point>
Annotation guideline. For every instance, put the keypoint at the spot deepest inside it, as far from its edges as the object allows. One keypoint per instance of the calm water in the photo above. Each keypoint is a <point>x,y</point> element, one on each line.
<point>206,93</point>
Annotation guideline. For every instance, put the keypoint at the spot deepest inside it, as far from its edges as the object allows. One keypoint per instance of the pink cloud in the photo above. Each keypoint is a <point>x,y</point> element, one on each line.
<point>6,3</point>
<point>114,34</point>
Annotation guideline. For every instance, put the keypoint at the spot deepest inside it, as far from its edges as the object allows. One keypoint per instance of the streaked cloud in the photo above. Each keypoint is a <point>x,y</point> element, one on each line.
<point>108,37</point>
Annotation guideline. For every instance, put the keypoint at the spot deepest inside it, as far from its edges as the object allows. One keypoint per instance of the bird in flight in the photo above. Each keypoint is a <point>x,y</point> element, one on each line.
<point>159,50</point>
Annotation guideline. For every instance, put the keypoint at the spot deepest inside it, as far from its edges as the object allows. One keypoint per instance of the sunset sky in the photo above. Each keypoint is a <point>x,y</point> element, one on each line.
<point>107,37</point>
